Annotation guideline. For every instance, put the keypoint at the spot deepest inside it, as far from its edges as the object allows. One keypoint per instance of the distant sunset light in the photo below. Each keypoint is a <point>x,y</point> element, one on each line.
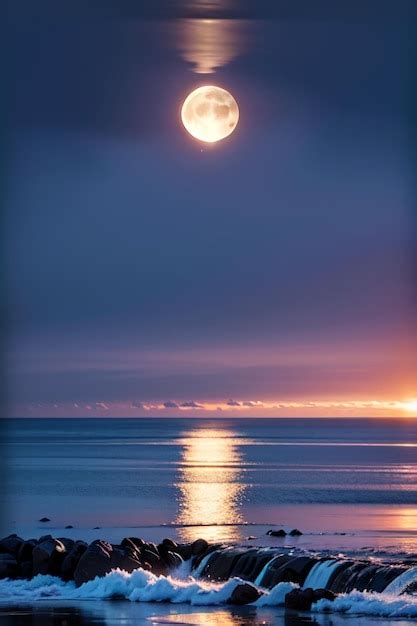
<point>411,407</point>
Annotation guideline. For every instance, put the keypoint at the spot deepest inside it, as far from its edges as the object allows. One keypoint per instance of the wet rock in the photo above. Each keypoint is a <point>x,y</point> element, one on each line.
<point>44,538</point>
<point>277,533</point>
<point>136,543</point>
<point>101,557</point>
<point>11,544</point>
<point>26,569</point>
<point>250,565</point>
<point>95,561</point>
<point>222,564</point>
<point>384,576</point>
<point>184,550</point>
<point>71,560</point>
<point>347,579</point>
<point>48,556</point>
<point>244,594</point>
<point>9,567</point>
<point>152,547</point>
<point>365,577</point>
<point>288,569</point>
<point>26,550</point>
<point>69,526</point>
<point>171,559</point>
<point>302,599</point>
<point>68,543</point>
<point>44,519</point>
<point>170,544</point>
<point>199,546</point>
<point>155,562</point>
<point>295,532</point>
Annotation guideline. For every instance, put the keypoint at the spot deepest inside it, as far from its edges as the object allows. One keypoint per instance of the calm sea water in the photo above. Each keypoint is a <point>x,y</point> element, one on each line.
<point>237,478</point>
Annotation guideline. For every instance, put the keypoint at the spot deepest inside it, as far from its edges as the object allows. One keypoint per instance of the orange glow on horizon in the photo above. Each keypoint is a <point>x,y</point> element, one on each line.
<point>411,407</point>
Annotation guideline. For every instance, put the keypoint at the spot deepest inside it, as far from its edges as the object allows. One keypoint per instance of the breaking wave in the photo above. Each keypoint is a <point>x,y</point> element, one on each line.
<point>143,586</point>
<point>367,603</point>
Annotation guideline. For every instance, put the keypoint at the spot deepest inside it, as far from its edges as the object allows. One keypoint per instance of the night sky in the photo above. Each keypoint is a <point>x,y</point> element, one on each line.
<point>268,274</point>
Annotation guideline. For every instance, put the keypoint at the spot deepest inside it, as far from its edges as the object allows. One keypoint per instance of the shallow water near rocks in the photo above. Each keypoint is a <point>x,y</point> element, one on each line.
<point>98,613</point>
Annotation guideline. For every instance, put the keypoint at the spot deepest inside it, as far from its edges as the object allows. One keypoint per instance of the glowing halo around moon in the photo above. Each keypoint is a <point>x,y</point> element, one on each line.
<point>210,113</point>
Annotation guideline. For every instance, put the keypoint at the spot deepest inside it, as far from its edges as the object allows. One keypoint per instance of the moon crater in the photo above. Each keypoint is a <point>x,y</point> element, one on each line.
<point>210,113</point>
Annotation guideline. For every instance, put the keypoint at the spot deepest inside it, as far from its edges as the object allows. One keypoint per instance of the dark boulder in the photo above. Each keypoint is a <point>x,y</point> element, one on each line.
<point>171,559</point>
<point>302,599</point>
<point>69,526</point>
<point>44,519</point>
<point>339,577</point>
<point>295,532</point>
<point>199,546</point>
<point>244,594</point>
<point>250,565</point>
<point>135,543</point>
<point>100,558</point>
<point>365,577</point>
<point>68,543</point>
<point>26,550</point>
<point>222,564</point>
<point>11,544</point>
<point>48,556</point>
<point>268,578</point>
<point>26,569</point>
<point>95,561</point>
<point>185,550</point>
<point>384,576</point>
<point>44,538</point>
<point>9,567</point>
<point>346,582</point>
<point>288,569</point>
<point>157,566</point>
<point>152,547</point>
<point>277,533</point>
<point>70,562</point>
<point>170,544</point>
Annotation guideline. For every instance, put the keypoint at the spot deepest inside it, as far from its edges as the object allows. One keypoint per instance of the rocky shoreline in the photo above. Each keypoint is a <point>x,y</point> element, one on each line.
<point>256,569</point>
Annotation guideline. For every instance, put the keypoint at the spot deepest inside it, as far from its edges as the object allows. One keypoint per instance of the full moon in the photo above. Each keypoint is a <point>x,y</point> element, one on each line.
<point>210,113</point>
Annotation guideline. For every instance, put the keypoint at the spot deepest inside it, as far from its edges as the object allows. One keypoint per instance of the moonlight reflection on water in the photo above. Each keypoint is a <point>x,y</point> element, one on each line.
<point>210,487</point>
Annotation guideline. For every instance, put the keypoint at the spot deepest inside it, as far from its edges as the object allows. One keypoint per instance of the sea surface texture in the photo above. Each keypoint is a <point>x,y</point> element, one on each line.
<point>350,486</point>
<point>226,480</point>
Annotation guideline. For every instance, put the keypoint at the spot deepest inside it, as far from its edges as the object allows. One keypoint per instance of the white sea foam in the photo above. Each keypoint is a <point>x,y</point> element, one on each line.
<point>138,586</point>
<point>276,596</point>
<point>368,603</point>
<point>143,586</point>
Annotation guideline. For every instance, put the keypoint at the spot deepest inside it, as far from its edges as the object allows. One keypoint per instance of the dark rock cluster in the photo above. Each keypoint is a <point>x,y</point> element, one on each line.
<point>79,561</point>
<point>254,567</point>
<point>283,533</point>
<point>302,599</point>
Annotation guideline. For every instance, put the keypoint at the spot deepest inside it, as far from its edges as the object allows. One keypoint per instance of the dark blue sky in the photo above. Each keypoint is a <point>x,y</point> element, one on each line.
<point>273,267</point>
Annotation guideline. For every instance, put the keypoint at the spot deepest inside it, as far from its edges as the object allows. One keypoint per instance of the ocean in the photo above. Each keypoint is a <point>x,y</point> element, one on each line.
<point>349,485</point>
